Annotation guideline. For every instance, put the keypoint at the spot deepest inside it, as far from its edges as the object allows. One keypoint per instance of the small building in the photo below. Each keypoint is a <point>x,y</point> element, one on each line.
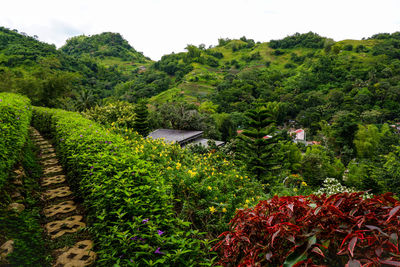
<point>299,136</point>
<point>182,137</point>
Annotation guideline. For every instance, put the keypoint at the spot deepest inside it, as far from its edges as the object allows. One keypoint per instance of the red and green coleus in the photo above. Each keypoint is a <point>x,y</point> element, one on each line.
<point>343,229</point>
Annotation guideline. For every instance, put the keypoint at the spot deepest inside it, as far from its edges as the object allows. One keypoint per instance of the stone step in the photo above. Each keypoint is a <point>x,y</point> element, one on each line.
<point>68,225</point>
<point>78,256</point>
<point>57,192</point>
<point>58,179</point>
<point>52,169</point>
<point>50,161</point>
<point>63,207</point>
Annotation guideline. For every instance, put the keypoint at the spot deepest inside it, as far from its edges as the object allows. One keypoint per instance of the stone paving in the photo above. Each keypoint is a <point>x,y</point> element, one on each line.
<point>56,188</point>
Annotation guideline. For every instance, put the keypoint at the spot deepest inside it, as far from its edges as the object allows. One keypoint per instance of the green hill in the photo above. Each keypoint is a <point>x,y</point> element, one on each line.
<point>50,77</point>
<point>107,48</point>
<point>236,72</point>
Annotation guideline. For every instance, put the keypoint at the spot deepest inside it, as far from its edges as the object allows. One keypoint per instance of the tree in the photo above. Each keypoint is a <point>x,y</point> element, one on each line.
<point>317,164</point>
<point>85,100</point>
<point>344,127</point>
<point>258,141</point>
<point>367,140</point>
<point>392,171</point>
<point>141,124</point>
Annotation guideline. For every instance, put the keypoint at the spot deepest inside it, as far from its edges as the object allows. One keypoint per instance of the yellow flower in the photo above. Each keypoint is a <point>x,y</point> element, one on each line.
<point>192,173</point>
<point>212,209</point>
<point>209,187</point>
<point>178,166</point>
<point>247,201</point>
<point>224,210</point>
<point>295,189</point>
<point>303,183</point>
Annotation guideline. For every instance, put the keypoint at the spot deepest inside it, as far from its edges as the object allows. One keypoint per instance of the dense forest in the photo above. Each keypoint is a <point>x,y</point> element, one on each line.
<point>345,95</point>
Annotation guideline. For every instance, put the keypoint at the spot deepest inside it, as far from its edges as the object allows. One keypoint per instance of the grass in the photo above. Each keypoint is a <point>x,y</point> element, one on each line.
<point>24,228</point>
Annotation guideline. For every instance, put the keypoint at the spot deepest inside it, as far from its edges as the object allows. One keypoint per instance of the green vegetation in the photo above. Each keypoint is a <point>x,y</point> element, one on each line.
<point>15,117</point>
<point>24,228</point>
<point>106,44</point>
<point>143,195</point>
<point>152,203</point>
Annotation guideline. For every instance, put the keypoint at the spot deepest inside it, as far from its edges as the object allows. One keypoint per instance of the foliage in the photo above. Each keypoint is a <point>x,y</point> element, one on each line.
<point>24,228</point>
<point>15,117</point>
<point>148,84</point>
<point>258,142</point>
<point>309,40</point>
<point>343,229</point>
<point>391,171</point>
<point>173,65</point>
<point>106,44</point>
<point>318,164</point>
<point>141,124</point>
<point>183,116</point>
<point>119,113</point>
<point>133,187</point>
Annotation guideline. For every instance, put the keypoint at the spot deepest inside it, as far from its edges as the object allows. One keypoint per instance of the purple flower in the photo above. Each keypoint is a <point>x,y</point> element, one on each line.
<point>145,220</point>
<point>91,173</point>
<point>131,260</point>
<point>81,135</point>
<point>91,167</point>
<point>159,232</point>
<point>17,118</point>
<point>158,251</point>
<point>1,100</point>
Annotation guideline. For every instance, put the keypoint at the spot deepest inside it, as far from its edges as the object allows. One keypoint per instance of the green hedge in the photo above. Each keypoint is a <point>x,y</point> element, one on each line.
<point>130,206</point>
<point>15,117</point>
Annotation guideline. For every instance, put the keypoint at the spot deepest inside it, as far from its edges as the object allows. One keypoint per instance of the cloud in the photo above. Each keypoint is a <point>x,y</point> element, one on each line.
<point>158,27</point>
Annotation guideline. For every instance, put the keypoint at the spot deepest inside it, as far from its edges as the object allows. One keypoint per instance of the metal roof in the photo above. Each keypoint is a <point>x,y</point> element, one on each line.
<point>178,136</point>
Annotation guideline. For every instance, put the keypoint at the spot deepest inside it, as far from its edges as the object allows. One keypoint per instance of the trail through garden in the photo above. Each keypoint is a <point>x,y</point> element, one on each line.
<point>63,217</point>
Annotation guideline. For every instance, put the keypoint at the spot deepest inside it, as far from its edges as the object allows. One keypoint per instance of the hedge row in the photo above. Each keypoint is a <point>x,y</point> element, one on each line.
<point>130,206</point>
<point>15,117</point>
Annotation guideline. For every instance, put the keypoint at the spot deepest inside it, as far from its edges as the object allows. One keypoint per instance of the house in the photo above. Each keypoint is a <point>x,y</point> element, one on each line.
<point>299,136</point>
<point>182,137</point>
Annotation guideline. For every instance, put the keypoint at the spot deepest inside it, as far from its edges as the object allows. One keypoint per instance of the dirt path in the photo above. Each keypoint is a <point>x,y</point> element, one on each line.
<point>64,223</point>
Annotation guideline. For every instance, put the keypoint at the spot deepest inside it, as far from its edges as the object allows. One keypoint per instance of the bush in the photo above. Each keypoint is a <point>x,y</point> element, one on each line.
<point>129,205</point>
<point>331,231</point>
<point>348,47</point>
<point>15,116</point>
<point>307,40</point>
<point>126,180</point>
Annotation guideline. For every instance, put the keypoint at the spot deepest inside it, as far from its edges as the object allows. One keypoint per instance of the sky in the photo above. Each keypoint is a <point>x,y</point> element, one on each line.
<point>158,27</point>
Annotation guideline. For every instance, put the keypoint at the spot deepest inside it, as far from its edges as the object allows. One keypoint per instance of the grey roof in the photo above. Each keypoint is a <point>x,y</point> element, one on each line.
<point>204,142</point>
<point>179,136</point>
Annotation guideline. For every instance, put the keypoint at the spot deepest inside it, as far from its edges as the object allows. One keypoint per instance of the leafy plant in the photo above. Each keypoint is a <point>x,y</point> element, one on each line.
<point>15,116</point>
<point>342,229</point>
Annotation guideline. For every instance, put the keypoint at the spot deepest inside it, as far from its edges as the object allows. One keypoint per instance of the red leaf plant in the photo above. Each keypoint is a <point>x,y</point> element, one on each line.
<point>341,230</point>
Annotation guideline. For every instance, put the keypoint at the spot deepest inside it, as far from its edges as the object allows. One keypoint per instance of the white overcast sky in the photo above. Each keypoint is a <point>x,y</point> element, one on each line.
<point>158,27</point>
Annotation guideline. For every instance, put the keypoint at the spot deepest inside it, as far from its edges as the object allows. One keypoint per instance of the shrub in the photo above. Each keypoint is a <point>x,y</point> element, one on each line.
<point>329,231</point>
<point>129,205</point>
<point>308,40</point>
<point>15,116</point>
<point>348,47</point>
<point>120,113</point>
<point>125,180</point>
